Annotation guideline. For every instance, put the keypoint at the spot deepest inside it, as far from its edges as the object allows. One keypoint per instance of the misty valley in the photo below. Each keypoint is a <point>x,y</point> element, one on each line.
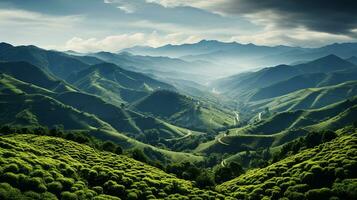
<point>187,100</point>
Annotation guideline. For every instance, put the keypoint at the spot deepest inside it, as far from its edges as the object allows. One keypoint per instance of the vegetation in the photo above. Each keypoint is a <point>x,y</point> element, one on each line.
<point>43,166</point>
<point>323,172</point>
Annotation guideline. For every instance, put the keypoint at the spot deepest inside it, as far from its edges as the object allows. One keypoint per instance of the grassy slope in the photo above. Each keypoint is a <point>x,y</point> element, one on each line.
<point>308,98</point>
<point>311,169</point>
<point>115,84</point>
<point>304,81</point>
<point>34,110</point>
<point>183,110</point>
<point>282,79</point>
<point>31,74</point>
<point>82,169</point>
<point>123,120</point>
<point>283,127</point>
<point>57,63</point>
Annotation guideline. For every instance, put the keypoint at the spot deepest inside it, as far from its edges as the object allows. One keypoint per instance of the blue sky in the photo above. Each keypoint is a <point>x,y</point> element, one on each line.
<point>110,25</point>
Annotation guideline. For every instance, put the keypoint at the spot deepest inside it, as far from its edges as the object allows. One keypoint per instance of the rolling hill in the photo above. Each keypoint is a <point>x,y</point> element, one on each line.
<point>31,74</point>
<point>282,127</point>
<point>307,98</point>
<point>57,63</point>
<point>63,169</point>
<point>323,172</point>
<point>279,80</point>
<point>184,111</point>
<point>115,84</point>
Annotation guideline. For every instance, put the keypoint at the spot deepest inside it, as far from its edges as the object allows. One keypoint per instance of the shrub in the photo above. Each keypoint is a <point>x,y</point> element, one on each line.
<point>68,196</point>
<point>98,189</point>
<point>55,187</point>
<point>316,194</point>
<point>10,178</point>
<point>132,196</point>
<point>11,168</point>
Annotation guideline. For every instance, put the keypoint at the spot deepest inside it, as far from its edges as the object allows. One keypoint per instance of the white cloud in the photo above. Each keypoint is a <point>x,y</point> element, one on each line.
<point>292,37</point>
<point>34,19</point>
<point>116,42</point>
<point>192,3</point>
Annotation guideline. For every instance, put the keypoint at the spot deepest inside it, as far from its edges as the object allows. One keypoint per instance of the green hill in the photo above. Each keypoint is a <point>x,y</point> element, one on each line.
<point>31,74</point>
<point>307,98</point>
<point>282,79</point>
<point>324,172</point>
<point>304,81</point>
<point>122,119</point>
<point>115,84</point>
<point>281,128</point>
<point>184,110</point>
<point>10,85</point>
<point>42,167</point>
<point>57,63</point>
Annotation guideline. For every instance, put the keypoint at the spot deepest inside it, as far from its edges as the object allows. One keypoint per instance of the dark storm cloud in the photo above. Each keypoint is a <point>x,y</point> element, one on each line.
<point>330,16</point>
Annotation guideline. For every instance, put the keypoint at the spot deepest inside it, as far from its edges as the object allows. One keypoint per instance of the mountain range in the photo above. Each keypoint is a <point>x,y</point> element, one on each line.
<point>162,123</point>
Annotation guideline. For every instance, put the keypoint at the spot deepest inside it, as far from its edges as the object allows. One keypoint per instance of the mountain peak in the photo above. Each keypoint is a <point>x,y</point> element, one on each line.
<point>5,45</point>
<point>329,59</point>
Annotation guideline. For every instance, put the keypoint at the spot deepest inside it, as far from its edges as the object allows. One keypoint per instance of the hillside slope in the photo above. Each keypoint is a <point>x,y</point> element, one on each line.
<point>307,98</point>
<point>282,127</point>
<point>29,73</point>
<point>61,169</point>
<point>282,79</point>
<point>115,84</point>
<point>184,110</point>
<point>322,172</point>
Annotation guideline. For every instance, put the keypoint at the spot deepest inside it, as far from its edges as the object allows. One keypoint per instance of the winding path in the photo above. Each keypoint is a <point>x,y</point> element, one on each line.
<point>223,163</point>
<point>219,139</point>
<point>180,138</point>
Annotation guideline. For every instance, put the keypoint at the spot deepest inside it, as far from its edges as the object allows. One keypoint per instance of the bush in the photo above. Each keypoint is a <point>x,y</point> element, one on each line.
<point>55,187</point>
<point>316,194</point>
<point>11,168</point>
<point>10,178</point>
<point>68,196</point>
<point>132,196</point>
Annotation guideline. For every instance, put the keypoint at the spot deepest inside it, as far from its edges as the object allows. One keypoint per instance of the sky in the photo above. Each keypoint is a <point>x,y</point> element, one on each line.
<point>111,25</point>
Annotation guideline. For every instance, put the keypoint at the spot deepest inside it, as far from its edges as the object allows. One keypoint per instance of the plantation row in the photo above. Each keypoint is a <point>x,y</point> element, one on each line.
<point>43,167</point>
<point>327,171</point>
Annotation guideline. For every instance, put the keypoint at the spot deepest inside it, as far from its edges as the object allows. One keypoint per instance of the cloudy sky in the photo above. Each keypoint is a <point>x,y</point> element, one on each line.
<point>110,25</point>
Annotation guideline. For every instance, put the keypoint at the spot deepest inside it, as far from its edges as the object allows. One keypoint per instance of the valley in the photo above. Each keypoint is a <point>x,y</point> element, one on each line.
<point>106,125</point>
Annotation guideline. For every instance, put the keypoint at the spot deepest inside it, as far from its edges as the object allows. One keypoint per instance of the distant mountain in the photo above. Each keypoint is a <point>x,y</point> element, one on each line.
<point>115,84</point>
<point>352,59</point>
<point>57,63</point>
<point>184,111</point>
<point>160,66</point>
<point>283,79</point>
<point>237,57</point>
<point>204,47</point>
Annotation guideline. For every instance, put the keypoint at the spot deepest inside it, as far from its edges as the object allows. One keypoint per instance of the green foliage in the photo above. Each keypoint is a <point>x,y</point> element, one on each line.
<point>61,169</point>
<point>322,172</point>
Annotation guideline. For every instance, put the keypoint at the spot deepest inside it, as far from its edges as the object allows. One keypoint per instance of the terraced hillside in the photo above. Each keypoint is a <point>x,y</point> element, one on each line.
<point>324,172</point>
<point>44,167</point>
